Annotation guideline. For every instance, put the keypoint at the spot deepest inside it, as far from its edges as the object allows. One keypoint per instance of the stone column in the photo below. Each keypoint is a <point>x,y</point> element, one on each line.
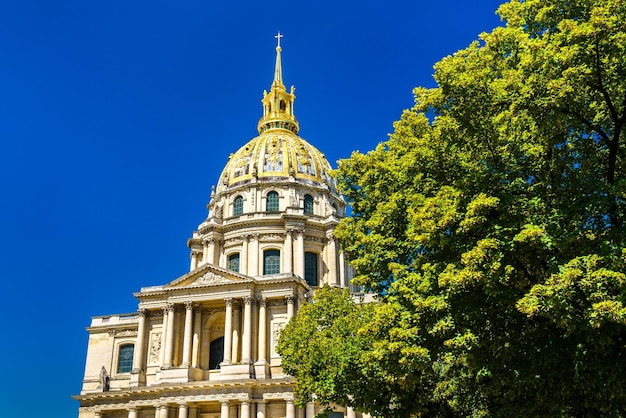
<point>225,411</point>
<point>298,256</point>
<point>288,259</point>
<point>132,412</point>
<point>310,410</point>
<point>262,331</point>
<point>246,345</point>
<point>194,259</point>
<point>188,334</point>
<point>182,410</point>
<point>228,334</point>
<point>253,256</point>
<point>165,411</point>
<point>169,339</point>
<point>140,347</point>
<point>163,335</point>
<point>342,270</point>
<point>236,331</point>
<point>260,409</point>
<point>245,409</point>
<point>243,260</point>
<point>197,339</point>
<point>209,251</point>
<point>291,409</point>
<point>332,261</point>
<point>193,411</point>
<point>290,307</point>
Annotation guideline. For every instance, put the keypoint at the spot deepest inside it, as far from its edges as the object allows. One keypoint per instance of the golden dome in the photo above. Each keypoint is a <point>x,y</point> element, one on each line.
<point>278,152</point>
<point>276,155</point>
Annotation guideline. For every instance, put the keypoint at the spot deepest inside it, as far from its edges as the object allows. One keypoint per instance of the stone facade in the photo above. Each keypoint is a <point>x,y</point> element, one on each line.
<point>204,345</point>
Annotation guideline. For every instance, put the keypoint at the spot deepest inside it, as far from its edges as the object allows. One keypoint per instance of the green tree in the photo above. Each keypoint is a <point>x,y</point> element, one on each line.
<point>492,225</point>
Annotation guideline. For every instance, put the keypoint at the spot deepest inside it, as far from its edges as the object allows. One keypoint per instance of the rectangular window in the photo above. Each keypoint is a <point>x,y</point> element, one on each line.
<point>233,262</point>
<point>271,262</point>
<point>125,363</point>
<point>272,202</point>
<point>310,268</point>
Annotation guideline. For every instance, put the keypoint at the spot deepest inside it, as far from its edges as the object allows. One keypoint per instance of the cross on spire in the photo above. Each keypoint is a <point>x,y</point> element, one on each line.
<point>278,37</point>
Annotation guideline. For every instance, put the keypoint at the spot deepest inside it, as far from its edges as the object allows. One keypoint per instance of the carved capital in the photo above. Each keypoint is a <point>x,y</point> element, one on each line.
<point>169,307</point>
<point>188,305</point>
<point>247,300</point>
<point>262,302</point>
<point>228,301</point>
<point>143,313</point>
<point>290,299</point>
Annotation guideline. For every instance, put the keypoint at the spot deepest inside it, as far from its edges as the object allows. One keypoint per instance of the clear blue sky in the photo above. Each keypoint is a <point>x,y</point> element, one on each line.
<point>117,116</point>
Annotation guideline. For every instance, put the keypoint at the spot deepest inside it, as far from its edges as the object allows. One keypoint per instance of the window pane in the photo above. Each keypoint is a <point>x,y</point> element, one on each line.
<point>238,207</point>
<point>308,205</point>
<point>125,363</point>
<point>310,268</point>
<point>233,262</point>
<point>271,262</point>
<point>272,202</point>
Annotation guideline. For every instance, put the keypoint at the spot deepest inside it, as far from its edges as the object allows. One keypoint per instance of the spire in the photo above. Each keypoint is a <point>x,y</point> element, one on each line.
<point>278,70</point>
<point>278,103</point>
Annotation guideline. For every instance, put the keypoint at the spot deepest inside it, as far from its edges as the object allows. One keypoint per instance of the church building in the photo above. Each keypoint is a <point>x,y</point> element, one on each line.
<point>204,344</point>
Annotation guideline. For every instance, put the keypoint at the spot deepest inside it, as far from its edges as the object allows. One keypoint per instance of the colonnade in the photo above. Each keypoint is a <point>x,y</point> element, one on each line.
<point>228,409</point>
<point>192,329</point>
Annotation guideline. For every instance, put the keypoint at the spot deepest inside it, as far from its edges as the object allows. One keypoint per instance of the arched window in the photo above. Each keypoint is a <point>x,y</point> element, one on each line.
<point>125,359</point>
<point>233,262</point>
<point>271,262</point>
<point>272,202</point>
<point>308,204</point>
<point>216,353</point>
<point>238,206</point>
<point>310,268</point>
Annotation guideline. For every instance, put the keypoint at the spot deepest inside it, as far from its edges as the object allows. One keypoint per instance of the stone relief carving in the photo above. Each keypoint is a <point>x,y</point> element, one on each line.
<point>155,348</point>
<point>277,327</point>
<point>210,278</point>
<point>122,333</point>
<point>271,237</point>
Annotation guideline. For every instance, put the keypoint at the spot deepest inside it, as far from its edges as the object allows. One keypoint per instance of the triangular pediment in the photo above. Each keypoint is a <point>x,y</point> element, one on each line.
<point>208,275</point>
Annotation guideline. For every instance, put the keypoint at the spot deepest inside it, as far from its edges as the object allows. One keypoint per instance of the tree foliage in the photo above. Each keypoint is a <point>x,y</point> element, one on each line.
<point>491,223</point>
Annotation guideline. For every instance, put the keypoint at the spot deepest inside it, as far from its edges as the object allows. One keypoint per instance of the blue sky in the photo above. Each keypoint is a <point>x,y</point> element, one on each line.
<point>117,116</point>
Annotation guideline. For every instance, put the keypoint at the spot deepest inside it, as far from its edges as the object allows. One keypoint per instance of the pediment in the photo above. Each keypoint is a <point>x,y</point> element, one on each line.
<point>208,275</point>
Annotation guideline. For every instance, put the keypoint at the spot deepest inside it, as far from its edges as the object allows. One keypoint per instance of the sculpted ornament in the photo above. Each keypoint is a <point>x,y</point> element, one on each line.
<point>155,348</point>
<point>210,278</point>
<point>277,327</point>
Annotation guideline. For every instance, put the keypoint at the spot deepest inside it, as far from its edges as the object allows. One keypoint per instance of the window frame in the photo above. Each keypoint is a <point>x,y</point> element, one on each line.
<point>231,258</point>
<point>314,265</point>
<point>308,206</point>
<point>272,202</point>
<point>126,368</point>
<point>238,206</point>
<point>275,265</point>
